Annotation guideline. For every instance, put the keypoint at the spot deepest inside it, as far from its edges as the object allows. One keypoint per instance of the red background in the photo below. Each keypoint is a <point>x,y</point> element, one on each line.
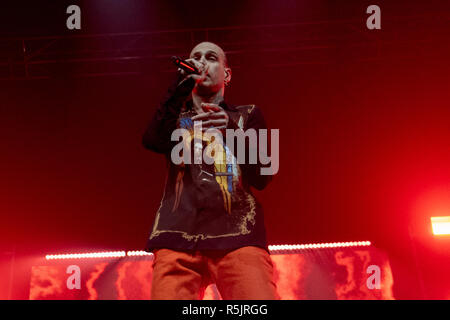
<point>364,130</point>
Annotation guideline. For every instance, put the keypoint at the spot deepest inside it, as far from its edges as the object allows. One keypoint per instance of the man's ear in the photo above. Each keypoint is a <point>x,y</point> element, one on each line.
<point>227,79</point>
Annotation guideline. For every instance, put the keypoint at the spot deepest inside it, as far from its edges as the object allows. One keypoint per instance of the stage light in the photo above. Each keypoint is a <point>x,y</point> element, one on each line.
<point>440,225</point>
<point>297,247</point>
<point>138,253</point>
<point>272,248</point>
<point>107,254</point>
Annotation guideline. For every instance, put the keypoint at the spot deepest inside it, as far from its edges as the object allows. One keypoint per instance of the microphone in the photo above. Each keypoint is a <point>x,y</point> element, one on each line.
<point>186,66</point>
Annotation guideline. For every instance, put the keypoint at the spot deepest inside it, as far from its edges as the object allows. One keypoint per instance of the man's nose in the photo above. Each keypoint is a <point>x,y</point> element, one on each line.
<point>203,60</point>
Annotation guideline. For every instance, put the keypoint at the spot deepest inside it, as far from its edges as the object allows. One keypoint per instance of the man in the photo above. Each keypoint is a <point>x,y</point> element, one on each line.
<point>209,227</point>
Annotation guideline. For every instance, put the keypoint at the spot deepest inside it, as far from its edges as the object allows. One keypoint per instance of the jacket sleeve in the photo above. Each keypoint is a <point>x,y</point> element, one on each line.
<point>252,172</point>
<point>164,122</point>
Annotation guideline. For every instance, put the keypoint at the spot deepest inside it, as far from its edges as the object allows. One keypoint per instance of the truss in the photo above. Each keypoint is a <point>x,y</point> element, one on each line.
<point>284,45</point>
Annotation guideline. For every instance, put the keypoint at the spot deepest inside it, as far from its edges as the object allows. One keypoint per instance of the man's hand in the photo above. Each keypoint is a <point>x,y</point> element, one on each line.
<point>197,77</point>
<point>214,116</point>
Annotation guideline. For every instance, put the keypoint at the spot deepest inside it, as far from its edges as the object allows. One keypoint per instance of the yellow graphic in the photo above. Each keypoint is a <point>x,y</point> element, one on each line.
<point>219,154</point>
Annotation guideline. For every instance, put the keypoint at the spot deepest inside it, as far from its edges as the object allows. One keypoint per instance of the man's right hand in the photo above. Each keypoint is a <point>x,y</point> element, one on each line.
<point>197,77</point>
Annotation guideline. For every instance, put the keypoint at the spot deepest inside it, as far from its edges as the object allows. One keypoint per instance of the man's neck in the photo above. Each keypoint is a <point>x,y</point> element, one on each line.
<point>197,100</point>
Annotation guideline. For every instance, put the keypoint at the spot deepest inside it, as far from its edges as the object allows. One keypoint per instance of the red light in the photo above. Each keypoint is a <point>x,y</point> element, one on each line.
<point>187,66</point>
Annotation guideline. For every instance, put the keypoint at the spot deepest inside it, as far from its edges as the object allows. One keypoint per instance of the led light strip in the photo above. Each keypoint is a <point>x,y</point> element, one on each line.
<point>108,254</point>
<point>272,249</point>
<point>138,253</point>
<point>295,247</point>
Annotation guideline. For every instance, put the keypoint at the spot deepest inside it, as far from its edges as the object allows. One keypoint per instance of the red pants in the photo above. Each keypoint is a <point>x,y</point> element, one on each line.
<point>241,274</point>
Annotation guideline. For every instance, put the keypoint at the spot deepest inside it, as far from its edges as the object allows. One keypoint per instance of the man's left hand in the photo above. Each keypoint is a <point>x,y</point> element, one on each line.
<point>213,117</point>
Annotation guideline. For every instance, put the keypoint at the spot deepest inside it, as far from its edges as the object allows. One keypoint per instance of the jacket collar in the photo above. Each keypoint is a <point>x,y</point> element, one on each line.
<point>226,106</point>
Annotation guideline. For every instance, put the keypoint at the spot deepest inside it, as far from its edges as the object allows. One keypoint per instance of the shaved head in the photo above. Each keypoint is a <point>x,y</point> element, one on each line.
<point>212,62</point>
<point>206,45</point>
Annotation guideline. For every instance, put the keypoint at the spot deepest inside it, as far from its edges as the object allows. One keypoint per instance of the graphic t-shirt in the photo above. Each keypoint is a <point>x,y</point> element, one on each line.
<point>206,204</point>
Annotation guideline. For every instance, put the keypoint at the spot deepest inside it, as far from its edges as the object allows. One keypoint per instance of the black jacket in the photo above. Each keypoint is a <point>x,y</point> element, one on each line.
<point>205,206</point>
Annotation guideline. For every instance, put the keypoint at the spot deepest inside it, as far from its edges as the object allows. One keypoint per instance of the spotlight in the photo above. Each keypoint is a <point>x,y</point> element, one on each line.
<point>440,225</point>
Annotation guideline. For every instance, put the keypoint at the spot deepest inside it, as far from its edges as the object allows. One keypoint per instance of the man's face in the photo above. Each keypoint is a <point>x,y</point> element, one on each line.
<point>212,59</point>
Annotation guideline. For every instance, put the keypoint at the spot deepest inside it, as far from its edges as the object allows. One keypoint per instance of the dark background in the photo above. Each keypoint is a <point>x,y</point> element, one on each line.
<point>363,116</point>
